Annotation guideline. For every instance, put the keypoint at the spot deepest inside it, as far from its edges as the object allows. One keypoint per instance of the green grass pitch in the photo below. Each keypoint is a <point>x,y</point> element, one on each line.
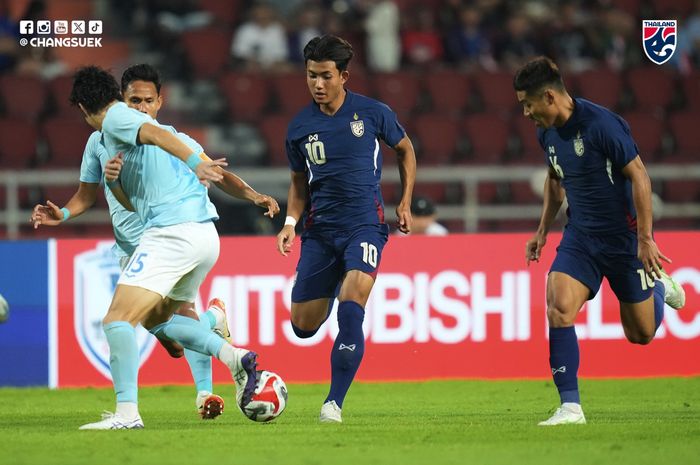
<point>648,421</point>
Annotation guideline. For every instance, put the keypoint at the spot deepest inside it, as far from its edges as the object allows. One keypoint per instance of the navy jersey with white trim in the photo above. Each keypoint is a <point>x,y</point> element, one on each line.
<point>343,161</point>
<point>589,152</point>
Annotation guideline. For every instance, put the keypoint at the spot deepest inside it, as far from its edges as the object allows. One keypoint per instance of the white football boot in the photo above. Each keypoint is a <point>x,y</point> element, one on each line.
<point>209,406</point>
<point>674,294</point>
<point>218,308</point>
<point>114,421</point>
<point>243,365</point>
<point>568,414</point>
<point>330,413</point>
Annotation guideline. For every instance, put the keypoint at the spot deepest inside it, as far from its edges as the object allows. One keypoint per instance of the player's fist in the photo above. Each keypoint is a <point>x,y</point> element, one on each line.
<point>113,168</point>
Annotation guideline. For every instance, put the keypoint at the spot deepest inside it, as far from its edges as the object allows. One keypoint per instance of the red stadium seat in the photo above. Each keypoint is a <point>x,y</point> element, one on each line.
<point>398,90</point>
<point>647,132</point>
<point>437,138</point>
<point>449,91</point>
<point>66,139</point>
<point>488,134</point>
<point>292,92</point>
<point>359,83</point>
<point>521,193</point>
<point>629,6</point>
<point>18,150</point>
<point>531,152</point>
<point>681,190</point>
<point>684,128</point>
<point>23,96</point>
<point>59,89</point>
<point>691,90</point>
<point>601,85</point>
<point>496,92</point>
<point>652,87</point>
<point>246,95</point>
<point>435,191</point>
<point>113,54</point>
<point>274,131</point>
<point>677,8</point>
<point>207,50</point>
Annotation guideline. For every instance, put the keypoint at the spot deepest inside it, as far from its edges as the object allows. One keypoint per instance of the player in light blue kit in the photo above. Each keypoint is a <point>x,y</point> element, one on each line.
<point>178,247</point>
<point>594,161</point>
<point>140,87</point>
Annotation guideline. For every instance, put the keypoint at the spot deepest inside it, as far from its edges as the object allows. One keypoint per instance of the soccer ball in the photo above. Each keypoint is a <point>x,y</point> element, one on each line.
<point>4,309</point>
<point>269,399</point>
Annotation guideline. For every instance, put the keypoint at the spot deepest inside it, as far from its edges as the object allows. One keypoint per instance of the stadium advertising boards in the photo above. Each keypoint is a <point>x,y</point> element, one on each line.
<point>463,306</point>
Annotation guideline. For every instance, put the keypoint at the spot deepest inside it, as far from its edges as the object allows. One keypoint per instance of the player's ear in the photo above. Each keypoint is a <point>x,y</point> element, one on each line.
<point>344,76</point>
<point>82,108</point>
<point>548,96</point>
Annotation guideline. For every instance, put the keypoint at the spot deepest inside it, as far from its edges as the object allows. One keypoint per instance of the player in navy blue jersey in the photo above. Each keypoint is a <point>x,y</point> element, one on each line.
<point>336,163</point>
<point>594,162</point>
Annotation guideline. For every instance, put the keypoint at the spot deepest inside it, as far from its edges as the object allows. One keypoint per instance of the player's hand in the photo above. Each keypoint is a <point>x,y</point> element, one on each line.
<point>268,202</point>
<point>49,215</point>
<point>533,248</point>
<point>210,170</point>
<point>650,256</point>
<point>285,239</point>
<point>114,167</point>
<point>404,220</point>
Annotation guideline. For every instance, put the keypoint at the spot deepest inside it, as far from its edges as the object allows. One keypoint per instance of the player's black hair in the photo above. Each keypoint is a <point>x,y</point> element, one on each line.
<point>329,48</point>
<point>142,72</point>
<point>94,88</point>
<point>536,74</point>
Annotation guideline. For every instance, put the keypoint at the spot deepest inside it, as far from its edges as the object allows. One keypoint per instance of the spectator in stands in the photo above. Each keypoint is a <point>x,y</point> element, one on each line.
<point>261,42</point>
<point>569,41</point>
<point>517,44</point>
<point>425,218</point>
<point>383,40</point>
<point>687,55</point>
<point>9,36</point>
<point>421,43</point>
<point>308,26</point>
<point>467,44</point>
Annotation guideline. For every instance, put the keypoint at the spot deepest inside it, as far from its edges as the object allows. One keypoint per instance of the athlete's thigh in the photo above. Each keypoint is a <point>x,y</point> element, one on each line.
<point>576,258</point>
<point>565,297</point>
<point>318,271</point>
<point>356,286</point>
<point>362,249</point>
<point>638,319</point>
<point>131,303</point>
<point>166,255</point>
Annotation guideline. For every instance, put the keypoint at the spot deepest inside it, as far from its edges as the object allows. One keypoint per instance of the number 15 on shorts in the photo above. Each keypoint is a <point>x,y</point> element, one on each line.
<point>136,264</point>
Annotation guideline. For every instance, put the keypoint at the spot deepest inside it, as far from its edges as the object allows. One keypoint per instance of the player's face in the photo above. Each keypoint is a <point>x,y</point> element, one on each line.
<point>539,107</point>
<point>143,96</point>
<point>325,81</point>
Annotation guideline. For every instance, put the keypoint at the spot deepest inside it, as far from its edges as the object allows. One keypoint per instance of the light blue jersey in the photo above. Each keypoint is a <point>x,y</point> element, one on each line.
<point>163,190</point>
<point>127,225</point>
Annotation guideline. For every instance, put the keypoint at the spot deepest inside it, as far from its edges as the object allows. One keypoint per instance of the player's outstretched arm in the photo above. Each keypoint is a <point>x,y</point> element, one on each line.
<point>234,186</point>
<point>296,202</point>
<point>647,250</point>
<point>205,168</point>
<point>553,198</point>
<point>52,215</point>
<point>406,156</point>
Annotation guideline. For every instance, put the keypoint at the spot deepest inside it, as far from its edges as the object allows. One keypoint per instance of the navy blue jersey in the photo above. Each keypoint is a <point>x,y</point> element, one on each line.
<point>588,153</point>
<point>341,157</point>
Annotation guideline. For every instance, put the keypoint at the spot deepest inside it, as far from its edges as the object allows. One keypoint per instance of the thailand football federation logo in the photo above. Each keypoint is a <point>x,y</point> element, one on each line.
<point>357,128</point>
<point>96,273</point>
<point>578,144</point>
<point>659,39</point>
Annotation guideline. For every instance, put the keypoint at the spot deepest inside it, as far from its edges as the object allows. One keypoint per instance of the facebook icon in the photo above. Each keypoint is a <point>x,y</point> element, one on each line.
<point>26,27</point>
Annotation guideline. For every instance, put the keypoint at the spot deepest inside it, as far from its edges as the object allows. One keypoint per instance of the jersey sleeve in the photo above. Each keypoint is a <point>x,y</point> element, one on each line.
<point>123,124</point>
<point>191,143</point>
<point>90,166</point>
<point>616,141</point>
<point>390,130</point>
<point>297,161</point>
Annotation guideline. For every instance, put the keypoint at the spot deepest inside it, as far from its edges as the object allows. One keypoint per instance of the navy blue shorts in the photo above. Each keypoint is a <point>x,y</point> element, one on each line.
<point>327,255</point>
<point>588,258</point>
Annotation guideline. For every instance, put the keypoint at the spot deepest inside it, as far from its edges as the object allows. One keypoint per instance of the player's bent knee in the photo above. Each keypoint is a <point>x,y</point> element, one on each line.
<point>303,333</point>
<point>639,338</point>
<point>558,317</point>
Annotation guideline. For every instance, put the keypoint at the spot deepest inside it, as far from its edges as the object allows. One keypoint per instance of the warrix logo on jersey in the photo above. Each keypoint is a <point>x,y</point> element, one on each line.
<point>96,274</point>
<point>659,39</point>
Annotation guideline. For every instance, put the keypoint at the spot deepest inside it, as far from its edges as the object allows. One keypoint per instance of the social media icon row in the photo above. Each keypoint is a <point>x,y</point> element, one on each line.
<point>26,27</point>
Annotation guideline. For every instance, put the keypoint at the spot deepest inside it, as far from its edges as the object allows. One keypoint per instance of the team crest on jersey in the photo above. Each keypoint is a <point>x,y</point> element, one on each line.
<point>96,273</point>
<point>659,39</point>
<point>357,128</point>
<point>578,145</point>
